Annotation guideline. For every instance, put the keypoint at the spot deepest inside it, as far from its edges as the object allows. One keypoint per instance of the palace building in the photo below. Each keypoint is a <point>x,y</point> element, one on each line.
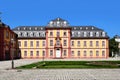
<point>60,40</point>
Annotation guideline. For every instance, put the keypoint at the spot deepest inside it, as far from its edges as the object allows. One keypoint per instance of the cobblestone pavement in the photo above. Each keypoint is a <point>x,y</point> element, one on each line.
<point>19,62</point>
<point>6,73</point>
<point>61,74</point>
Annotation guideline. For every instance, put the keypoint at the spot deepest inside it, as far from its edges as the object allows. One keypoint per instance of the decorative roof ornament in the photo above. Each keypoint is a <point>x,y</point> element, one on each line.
<point>58,22</point>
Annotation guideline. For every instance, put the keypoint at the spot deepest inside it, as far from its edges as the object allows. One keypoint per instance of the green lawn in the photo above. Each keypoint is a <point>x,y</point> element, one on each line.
<point>72,65</point>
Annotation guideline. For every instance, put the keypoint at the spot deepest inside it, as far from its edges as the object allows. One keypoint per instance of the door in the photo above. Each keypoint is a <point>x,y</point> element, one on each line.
<point>58,53</point>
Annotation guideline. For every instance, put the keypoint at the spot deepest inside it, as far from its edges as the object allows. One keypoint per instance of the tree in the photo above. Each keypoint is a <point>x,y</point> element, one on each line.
<point>113,46</point>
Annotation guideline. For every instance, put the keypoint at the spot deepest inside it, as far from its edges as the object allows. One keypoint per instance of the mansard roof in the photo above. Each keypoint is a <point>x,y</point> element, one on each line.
<point>29,28</point>
<point>76,31</point>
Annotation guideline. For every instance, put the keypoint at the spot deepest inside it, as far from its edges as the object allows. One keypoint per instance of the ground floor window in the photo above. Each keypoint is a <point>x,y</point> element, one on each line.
<point>85,53</point>
<point>72,53</point>
<point>78,53</point>
<point>103,53</point>
<point>25,53</point>
<point>37,53</point>
<point>91,53</point>
<point>31,53</point>
<point>43,53</point>
<point>51,52</point>
<point>65,53</point>
<point>97,53</point>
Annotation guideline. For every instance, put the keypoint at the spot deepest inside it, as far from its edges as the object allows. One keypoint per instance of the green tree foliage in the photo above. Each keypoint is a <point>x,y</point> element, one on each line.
<point>113,46</point>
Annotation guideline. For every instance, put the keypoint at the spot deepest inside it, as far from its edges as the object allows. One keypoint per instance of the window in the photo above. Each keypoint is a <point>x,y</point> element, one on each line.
<point>103,43</point>
<point>58,33</point>
<point>25,34</point>
<point>91,34</point>
<point>31,34</point>
<point>97,43</point>
<point>78,53</point>
<point>85,44</point>
<point>72,53</point>
<point>43,43</point>
<point>85,34</point>
<point>65,34</point>
<point>65,42</point>
<point>97,53</point>
<point>19,43</point>
<point>78,34</point>
<point>37,53</point>
<point>97,34</point>
<point>78,43</point>
<point>103,53</point>
<point>72,44</point>
<point>91,53</point>
<point>51,52</point>
<point>7,34</point>
<point>31,53</point>
<point>58,42</point>
<point>31,43</point>
<point>91,43</point>
<point>51,33</point>
<point>85,53</point>
<point>103,34</point>
<point>51,42</point>
<point>43,53</point>
<point>25,43</point>
<point>37,43</point>
<point>25,53</point>
<point>37,34</point>
<point>65,53</point>
<point>73,34</point>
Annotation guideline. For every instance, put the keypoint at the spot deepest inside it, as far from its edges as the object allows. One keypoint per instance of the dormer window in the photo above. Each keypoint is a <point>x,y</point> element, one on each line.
<point>91,34</point>
<point>51,23</point>
<point>65,23</point>
<point>30,28</point>
<point>81,28</point>
<point>103,34</point>
<point>18,28</point>
<point>24,28</point>
<point>58,23</point>
<point>78,33</point>
<point>41,28</point>
<point>31,34</point>
<point>35,28</point>
<point>25,34</point>
<point>72,33</point>
<point>85,34</point>
<point>19,34</point>
<point>97,34</point>
<point>37,34</point>
<point>92,28</point>
<point>74,28</point>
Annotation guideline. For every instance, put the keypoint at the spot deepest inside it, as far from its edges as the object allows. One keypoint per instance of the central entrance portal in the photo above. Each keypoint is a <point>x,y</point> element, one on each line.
<point>58,53</point>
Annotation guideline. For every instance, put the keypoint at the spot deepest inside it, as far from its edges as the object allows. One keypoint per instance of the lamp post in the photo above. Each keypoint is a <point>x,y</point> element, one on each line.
<point>12,63</point>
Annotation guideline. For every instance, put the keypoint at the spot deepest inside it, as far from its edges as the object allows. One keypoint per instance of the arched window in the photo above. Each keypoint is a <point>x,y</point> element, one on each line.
<point>31,34</point>
<point>85,34</point>
<point>91,34</point>
<point>103,34</point>
<point>97,34</point>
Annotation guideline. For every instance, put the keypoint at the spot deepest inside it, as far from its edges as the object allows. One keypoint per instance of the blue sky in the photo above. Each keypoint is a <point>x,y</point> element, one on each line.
<point>104,14</point>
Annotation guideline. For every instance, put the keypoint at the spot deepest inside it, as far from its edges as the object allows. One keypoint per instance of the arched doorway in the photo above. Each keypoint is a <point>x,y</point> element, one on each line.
<point>58,53</point>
